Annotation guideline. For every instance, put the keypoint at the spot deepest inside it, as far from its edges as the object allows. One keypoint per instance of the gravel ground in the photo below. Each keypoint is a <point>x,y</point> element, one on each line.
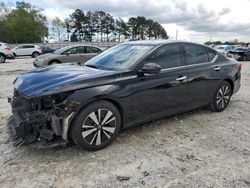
<point>194,149</point>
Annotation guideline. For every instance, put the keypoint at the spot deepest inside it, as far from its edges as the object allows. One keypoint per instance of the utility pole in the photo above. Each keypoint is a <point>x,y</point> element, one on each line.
<point>176,36</point>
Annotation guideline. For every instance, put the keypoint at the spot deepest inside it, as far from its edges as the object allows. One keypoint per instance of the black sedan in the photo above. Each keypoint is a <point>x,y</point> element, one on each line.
<point>126,85</point>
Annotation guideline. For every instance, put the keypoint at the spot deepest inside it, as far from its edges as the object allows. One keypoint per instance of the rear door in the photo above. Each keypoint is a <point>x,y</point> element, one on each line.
<point>162,93</point>
<point>203,74</point>
<point>28,49</point>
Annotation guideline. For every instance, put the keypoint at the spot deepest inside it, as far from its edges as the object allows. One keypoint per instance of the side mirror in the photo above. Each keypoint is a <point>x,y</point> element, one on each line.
<point>150,68</point>
<point>67,53</point>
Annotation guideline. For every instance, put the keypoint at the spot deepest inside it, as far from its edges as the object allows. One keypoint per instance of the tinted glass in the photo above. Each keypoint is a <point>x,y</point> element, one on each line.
<point>195,54</point>
<point>62,50</point>
<point>90,49</point>
<point>28,46</point>
<point>168,56</point>
<point>75,50</point>
<point>119,57</point>
<point>211,54</point>
<point>80,50</point>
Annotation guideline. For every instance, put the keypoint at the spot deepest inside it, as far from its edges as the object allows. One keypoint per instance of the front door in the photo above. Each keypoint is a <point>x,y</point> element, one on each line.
<point>163,93</point>
<point>73,54</point>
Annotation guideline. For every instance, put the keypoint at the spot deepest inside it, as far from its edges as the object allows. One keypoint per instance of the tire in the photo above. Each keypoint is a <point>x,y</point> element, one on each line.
<point>2,58</point>
<point>221,97</point>
<point>35,54</point>
<point>96,126</point>
<point>52,62</point>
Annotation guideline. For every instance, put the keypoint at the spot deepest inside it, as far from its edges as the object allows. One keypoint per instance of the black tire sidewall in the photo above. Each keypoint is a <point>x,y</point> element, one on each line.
<point>76,129</point>
<point>3,57</point>
<point>215,106</point>
<point>35,54</point>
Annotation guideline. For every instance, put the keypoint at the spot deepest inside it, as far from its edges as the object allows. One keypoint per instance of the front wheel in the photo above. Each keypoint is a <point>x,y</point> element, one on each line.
<point>96,126</point>
<point>2,58</point>
<point>221,97</point>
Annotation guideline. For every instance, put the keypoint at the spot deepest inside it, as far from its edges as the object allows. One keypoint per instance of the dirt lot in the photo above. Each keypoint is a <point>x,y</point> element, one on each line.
<point>195,149</point>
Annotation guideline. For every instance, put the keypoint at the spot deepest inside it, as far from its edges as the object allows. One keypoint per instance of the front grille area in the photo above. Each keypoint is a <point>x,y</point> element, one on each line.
<point>14,130</point>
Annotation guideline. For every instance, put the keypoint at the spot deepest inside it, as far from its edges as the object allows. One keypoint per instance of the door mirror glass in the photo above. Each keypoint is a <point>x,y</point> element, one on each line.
<point>151,68</point>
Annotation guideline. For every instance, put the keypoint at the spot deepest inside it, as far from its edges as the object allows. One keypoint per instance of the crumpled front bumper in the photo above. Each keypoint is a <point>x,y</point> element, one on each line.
<point>31,125</point>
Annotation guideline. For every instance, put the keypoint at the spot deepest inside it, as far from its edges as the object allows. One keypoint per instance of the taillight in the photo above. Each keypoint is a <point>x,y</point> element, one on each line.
<point>9,49</point>
<point>239,65</point>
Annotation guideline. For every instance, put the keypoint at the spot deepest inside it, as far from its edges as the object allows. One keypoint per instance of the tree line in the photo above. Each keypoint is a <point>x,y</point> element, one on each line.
<point>104,27</point>
<point>27,24</point>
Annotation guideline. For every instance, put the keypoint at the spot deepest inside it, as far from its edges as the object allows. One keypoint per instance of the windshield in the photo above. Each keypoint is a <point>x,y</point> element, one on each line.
<point>120,57</point>
<point>61,50</point>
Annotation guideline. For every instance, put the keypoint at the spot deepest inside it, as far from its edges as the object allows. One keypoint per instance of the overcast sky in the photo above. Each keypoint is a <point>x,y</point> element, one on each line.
<point>196,20</point>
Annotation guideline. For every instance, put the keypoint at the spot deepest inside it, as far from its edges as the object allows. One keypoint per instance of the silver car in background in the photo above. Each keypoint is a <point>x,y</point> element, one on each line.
<point>79,54</point>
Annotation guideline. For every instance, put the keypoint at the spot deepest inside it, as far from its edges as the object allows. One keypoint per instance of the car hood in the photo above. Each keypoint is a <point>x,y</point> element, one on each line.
<point>60,78</point>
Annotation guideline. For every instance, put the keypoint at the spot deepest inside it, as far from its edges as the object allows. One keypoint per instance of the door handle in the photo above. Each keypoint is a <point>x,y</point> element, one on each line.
<point>217,68</point>
<point>181,78</point>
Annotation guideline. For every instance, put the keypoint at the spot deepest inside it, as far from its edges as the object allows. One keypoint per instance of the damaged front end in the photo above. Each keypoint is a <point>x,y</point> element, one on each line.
<point>41,121</point>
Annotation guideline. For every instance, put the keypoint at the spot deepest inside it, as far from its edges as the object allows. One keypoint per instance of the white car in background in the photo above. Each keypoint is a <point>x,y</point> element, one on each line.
<point>27,50</point>
<point>5,52</point>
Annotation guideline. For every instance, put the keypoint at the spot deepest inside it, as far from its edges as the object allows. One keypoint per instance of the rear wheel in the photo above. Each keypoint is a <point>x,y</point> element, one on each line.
<point>2,58</point>
<point>96,126</point>
<point>221,97</point>
<point>35,54</point>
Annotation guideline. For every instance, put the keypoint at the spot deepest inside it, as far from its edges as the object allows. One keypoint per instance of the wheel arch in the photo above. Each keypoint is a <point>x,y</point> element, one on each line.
<point>107,99</point>
<point>35,52</point>
<point>2,54</point>
<point>53,60</point>
<point>230,81</point>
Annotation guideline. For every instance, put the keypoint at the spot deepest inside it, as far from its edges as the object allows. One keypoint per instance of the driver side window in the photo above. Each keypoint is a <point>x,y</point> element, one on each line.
<point>168,56</point>
<point>71,51</point>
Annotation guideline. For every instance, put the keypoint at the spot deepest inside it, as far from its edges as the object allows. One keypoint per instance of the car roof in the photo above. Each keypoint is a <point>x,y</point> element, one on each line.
<point>84,45</point>
<point>160,42</point>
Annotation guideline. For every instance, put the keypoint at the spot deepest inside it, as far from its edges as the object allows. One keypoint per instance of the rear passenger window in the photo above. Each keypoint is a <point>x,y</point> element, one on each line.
<point>168,56</point>
<point>28,46</point>
<point>211,54</point>
<point>195,54</point>
<point>90,49</point>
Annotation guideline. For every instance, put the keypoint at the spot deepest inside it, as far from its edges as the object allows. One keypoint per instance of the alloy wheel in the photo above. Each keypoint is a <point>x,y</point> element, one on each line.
<point>223,97</point>
<point>98,127</point>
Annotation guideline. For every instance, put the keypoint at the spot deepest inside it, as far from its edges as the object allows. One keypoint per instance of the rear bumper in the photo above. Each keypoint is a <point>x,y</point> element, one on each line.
<point>237,82</point>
